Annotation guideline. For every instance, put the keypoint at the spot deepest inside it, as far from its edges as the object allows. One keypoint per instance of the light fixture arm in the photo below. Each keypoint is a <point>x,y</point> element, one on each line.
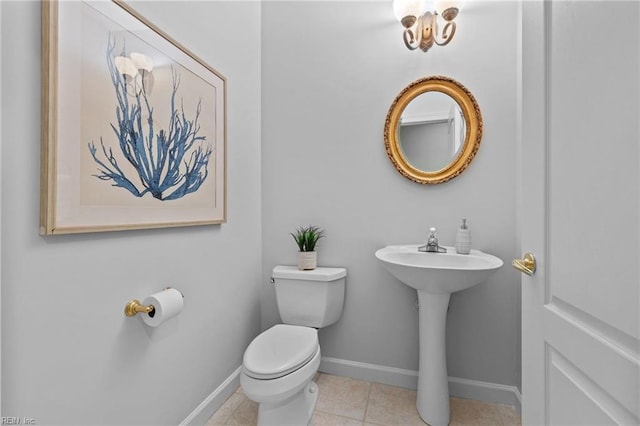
<point>410,39</point>
<point>447,33</point>
<point>420,34</point>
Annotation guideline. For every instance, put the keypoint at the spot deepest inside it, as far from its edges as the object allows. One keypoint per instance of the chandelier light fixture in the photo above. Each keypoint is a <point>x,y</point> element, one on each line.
<point>420,20</point>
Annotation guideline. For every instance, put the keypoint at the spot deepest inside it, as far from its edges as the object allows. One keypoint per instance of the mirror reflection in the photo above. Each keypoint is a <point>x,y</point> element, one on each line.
<point>432,131</point>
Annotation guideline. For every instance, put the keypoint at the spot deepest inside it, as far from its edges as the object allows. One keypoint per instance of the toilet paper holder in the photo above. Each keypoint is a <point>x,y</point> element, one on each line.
<point>134,307</point>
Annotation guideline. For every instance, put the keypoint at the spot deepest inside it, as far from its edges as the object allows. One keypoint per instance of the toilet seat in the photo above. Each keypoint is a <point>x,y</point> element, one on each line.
<point>279,351</point>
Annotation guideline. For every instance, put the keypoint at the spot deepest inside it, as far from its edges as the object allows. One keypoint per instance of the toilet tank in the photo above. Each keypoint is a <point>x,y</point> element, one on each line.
<point>310,298</point>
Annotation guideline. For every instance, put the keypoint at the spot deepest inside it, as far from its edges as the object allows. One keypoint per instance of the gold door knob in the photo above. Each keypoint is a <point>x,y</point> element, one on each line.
<point>526,264</point>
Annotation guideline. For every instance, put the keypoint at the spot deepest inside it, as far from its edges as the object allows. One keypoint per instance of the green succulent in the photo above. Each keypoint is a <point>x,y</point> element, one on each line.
<point>306,238</point>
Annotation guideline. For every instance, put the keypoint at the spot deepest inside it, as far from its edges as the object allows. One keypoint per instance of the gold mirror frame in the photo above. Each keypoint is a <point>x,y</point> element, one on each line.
<point>473,120</point>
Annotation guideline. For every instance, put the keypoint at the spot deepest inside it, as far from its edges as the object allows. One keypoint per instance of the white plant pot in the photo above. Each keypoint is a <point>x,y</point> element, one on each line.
<point>307,260</point>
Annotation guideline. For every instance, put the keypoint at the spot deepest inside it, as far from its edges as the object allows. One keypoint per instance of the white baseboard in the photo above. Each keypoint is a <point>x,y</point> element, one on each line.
<point>370,372</point>
<point>463,388</point>
<point>485,391</point>
<point>210,405</point>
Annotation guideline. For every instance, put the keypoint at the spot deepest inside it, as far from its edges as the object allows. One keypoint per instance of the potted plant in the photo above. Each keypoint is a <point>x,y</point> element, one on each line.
<point>306,239</point>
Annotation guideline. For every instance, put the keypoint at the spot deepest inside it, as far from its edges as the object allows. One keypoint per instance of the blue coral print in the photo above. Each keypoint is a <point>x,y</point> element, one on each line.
<point>169,162</point>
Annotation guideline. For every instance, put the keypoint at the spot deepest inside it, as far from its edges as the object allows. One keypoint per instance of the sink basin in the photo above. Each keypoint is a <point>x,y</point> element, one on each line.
<point>437,272</point>
<point>435,276</point>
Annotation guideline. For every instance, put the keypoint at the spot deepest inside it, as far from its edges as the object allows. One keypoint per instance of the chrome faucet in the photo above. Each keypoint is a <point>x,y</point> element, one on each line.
<point>432,243</point>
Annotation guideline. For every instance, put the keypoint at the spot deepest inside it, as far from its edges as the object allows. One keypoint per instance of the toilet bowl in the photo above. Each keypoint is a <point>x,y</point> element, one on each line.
<point>279,365</point>
<point>277,372</point>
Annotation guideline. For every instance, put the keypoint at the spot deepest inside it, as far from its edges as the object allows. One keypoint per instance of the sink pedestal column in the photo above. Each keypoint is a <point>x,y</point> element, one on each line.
<point>433,383</point>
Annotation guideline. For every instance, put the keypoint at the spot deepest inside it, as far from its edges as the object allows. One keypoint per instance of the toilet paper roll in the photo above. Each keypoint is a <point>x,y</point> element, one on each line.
<point>166,304</point>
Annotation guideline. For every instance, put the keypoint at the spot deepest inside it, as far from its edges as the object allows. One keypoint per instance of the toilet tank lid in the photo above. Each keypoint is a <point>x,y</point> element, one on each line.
<point>318,274</point>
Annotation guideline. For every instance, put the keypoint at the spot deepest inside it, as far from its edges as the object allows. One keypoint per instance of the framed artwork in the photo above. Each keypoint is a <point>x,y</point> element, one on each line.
<point>133,124</point>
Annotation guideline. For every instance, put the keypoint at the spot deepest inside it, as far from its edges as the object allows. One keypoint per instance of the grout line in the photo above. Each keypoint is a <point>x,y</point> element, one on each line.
<point>366,406</point>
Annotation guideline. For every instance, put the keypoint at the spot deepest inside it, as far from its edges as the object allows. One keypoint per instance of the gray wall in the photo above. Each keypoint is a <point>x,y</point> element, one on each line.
<point>69,355</point>
<point>328,79</point>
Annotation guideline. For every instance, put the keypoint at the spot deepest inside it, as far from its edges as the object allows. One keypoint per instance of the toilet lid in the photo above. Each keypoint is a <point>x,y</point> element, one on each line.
<point>279,351</point>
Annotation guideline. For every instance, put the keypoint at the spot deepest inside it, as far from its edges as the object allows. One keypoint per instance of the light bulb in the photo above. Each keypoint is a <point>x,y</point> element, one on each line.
<point>142,62</point>
<point>125,66</point>
<point>403,8</point>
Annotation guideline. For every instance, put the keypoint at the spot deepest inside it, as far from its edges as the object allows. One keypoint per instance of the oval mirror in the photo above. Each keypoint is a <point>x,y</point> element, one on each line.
<point>433,130</point>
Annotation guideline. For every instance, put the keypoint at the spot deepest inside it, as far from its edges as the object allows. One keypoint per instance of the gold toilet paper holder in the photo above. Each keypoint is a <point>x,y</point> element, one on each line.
<point>135,307</point>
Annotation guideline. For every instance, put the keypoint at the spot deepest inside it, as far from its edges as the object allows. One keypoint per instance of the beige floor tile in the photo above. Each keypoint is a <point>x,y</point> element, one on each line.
<point>346,401</point>
<point>509,415</point>
<point>487,414</point>
<point>327,419</point>
<point>245,415</point>
<point>461,412</point>
<point>476,413</point>
<point>389,405</point>
<point>342,396</point>
<point>223,414</point>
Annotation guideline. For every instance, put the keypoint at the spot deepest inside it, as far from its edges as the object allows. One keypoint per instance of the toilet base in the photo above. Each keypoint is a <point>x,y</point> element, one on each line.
<point>295,411</point>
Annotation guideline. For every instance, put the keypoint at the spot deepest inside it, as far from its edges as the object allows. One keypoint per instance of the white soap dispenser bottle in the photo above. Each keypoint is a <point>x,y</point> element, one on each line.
<point>463,239</point>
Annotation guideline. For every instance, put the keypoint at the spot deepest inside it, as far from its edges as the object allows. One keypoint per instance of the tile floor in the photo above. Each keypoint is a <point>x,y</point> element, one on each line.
<point>346,401</point>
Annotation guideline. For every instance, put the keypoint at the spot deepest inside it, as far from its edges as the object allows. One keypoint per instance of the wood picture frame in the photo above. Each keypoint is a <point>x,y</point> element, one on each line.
<point>133,124</point>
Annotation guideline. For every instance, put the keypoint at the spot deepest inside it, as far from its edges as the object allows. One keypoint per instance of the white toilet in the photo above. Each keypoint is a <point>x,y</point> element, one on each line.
<point>280,363</point>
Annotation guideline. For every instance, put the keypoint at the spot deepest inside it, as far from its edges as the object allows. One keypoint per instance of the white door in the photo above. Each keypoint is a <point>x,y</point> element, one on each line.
<point>579,212</point>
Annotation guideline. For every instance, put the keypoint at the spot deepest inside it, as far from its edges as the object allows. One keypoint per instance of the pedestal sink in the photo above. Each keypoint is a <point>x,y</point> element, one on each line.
<point>435,276</point>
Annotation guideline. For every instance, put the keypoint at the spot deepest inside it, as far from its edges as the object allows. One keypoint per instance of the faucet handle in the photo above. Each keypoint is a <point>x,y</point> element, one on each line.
<point>431,238</point>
